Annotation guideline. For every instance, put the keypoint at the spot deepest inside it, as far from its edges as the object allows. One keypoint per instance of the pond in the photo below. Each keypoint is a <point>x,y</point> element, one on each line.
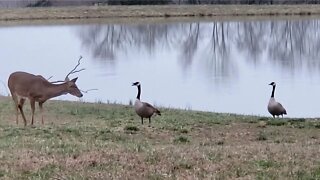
<point>206,65</point>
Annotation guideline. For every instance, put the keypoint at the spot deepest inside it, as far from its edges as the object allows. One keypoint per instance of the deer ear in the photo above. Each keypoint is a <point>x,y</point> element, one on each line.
<point>74,80</point>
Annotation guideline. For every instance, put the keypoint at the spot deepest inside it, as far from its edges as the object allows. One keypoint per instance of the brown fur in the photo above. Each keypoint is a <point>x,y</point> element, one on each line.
<point>36,88</point>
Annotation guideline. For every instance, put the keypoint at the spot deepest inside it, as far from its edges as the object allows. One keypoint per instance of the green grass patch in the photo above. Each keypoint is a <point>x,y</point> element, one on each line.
<point>276,122</point>
<point>131,128</point>
<point>262,136</point>
<point>266,164</point>
<point>45,172</point>
<point>181,139</point>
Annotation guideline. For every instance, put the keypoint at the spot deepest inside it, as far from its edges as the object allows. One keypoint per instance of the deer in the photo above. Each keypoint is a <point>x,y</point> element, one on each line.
<point>36,88</point>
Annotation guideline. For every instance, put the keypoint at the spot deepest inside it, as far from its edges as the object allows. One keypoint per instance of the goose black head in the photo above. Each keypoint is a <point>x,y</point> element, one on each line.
<point>272,84</point>
<point>136,84</point>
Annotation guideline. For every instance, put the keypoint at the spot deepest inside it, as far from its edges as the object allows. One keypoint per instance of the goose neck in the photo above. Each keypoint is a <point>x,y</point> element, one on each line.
<point>273,90</point>
<point>139,92</point>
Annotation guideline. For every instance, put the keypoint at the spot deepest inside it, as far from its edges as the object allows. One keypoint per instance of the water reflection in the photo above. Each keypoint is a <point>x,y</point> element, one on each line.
<point>287,43</point>
<point>106,41</point>
<point>222,66</point>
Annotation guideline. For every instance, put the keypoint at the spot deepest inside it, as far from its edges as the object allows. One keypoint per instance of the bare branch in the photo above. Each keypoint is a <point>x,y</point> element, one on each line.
<point>49,78</point>
<point>74,70</point>
<point>86,91</point>
<point>5,86</point>
<point>57,81</point>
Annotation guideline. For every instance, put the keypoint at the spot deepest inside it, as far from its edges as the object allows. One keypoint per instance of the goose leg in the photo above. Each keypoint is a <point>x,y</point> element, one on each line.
<point>141,120</point>
<point>149,120</point>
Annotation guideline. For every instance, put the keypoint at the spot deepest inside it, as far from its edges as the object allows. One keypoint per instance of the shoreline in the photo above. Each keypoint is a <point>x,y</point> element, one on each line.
<point>8,98</point>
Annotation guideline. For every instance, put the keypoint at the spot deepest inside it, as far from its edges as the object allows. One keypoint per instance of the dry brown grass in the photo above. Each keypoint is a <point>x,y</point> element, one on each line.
<point>102,141</point>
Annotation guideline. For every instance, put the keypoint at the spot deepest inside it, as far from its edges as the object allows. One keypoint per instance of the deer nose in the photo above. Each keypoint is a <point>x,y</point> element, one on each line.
<point>80,95</point>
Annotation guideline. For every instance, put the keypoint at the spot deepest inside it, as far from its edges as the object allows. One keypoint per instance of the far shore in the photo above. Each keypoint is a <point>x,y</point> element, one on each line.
<point>160,11</point>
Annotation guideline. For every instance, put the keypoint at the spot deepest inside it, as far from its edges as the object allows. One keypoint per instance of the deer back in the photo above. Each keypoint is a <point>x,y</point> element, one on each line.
<point>23,83</point>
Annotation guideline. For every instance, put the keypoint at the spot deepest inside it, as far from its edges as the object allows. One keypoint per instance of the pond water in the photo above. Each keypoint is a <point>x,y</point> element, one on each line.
<point>218,66</point>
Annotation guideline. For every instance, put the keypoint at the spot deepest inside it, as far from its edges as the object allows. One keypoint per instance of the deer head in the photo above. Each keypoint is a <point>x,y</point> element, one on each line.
<point>72,88</point>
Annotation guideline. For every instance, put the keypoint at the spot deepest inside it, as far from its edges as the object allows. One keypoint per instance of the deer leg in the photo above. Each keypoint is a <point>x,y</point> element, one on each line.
<point>141,120</point>
<point>32,103</point>
<point>16,105</point>
<point>149,120</point>
<point>20,106</point>
<point>41,111</point>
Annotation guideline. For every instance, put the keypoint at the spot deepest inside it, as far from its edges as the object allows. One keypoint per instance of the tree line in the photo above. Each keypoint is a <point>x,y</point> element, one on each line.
<point>46,3</point>
<point>151,2</point>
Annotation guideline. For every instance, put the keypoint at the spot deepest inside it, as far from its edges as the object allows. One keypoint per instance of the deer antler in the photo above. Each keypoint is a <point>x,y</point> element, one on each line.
<point>74,70</point>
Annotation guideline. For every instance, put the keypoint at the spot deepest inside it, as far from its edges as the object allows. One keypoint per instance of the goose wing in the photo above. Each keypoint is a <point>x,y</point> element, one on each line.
<point>282,108</point>
<point>153,108</point>
<point>279,104</point>
<point>148,105</point>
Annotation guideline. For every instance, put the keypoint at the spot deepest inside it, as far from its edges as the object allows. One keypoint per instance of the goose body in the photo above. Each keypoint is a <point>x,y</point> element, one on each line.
<point>144,109</point>
<point>274,107</point>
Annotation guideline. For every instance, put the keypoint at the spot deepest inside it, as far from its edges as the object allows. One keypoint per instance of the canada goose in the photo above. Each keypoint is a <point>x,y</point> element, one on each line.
<point>143,109</point>
<point>275,108</point>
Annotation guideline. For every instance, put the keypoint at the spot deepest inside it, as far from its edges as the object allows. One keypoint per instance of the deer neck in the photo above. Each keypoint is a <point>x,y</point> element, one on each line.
<point>54,90</point>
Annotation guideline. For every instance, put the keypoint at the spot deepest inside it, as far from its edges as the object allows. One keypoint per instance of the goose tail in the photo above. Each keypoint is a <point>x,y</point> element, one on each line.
<point>284,112</point>
<point>157,111</point>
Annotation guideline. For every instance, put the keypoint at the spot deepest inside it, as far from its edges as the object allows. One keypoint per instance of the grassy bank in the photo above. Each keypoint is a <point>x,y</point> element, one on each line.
<point>103,141</point>
<point>89,12</point>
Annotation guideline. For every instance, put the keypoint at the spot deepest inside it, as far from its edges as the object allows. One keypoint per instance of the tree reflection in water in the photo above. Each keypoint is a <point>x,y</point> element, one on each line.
<point>289,44</point>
